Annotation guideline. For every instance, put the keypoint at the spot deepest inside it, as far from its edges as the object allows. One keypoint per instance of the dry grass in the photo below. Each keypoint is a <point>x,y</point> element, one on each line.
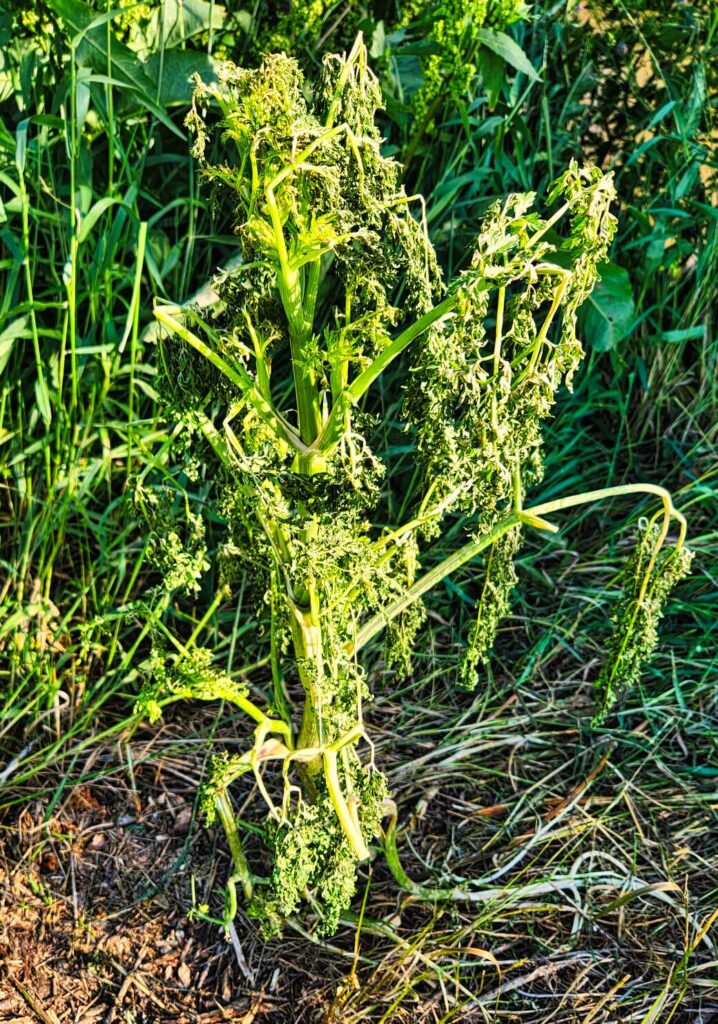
<point>588,866</point>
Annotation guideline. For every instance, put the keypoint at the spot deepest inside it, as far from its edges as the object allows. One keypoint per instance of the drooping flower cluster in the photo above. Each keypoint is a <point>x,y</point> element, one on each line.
<point>647,580</point>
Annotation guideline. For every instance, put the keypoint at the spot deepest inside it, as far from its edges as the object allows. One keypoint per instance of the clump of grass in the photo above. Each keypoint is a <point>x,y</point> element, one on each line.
<point>89,233</point>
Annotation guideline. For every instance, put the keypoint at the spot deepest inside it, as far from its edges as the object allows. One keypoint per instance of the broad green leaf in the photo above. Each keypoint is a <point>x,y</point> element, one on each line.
<point>95,213</point>
<point>607,316</point>
<point>660,114</point>
<point>510,51</point>
<point>683,334</point>
<point>378,40</point>
<point>173,21</point>
<point>21,144</point>
<point>42,398</point>
<point>13,244</point>
<point>121,62</point>
<point>19,618</point>
<point>13,331</point>
<point>692,114</point>
<point>170,74</point>
<point>493,74</point>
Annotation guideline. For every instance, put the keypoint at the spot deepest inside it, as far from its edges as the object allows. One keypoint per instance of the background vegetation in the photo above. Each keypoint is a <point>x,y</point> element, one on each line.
<point>596,851</point>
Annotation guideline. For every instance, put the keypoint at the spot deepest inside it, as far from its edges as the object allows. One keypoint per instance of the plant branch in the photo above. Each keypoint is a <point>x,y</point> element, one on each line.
<point>531,517</point>
<point>429,580</point>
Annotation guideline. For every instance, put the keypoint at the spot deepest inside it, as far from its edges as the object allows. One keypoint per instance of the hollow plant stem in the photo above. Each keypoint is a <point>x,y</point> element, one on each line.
<point>241,871</point>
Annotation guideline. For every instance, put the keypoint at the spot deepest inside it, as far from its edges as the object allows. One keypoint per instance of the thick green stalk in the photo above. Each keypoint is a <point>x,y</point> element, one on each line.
<point>289,285</point>
<point>241,871</point>
<point>315,753</point>
<point>307,640</point>
<point>348,817</point>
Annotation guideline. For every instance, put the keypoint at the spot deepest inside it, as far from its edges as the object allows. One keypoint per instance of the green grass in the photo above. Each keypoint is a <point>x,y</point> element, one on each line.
<point>79,422</point>
<point>77,414</point>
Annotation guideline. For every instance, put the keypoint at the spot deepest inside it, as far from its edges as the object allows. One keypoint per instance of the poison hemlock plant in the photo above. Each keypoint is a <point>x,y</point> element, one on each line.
<point>338,279</point>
